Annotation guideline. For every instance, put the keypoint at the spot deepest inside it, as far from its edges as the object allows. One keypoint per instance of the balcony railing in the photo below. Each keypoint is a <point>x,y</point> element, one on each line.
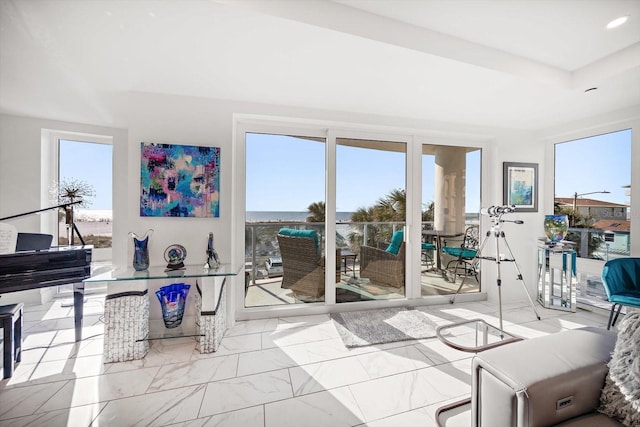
<point>598,244</point>
<point>261,242</point>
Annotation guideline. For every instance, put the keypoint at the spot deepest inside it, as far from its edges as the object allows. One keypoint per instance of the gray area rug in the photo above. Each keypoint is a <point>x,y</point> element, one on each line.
<point>361,328</point>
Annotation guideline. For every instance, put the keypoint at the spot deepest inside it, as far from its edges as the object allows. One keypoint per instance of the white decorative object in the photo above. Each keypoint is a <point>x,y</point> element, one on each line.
<point>620,397</point>
<point>211,326</point>
<point>126,327</point>
<point>8,238</point>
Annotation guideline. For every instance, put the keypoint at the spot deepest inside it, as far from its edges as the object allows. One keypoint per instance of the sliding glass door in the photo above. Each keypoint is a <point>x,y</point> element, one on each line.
<point>450,219</point>
<point>371,204</point>
<point>284,223</point>
<point>374,187</point>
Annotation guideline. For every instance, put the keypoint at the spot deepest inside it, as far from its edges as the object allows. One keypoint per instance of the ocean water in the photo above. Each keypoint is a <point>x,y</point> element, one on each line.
<point>285,216</point>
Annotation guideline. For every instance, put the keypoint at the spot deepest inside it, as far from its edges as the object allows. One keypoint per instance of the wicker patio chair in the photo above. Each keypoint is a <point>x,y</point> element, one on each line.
<point>382,267</point>
<point>303,267</point>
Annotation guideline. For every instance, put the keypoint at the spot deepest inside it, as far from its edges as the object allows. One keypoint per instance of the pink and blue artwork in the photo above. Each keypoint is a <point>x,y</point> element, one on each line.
<point>179,180</point>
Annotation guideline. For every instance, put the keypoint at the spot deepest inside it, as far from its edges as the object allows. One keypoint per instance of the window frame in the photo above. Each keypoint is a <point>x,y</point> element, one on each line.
<point>587,265</point>
<point>50,173</point>
<point>246,123</point>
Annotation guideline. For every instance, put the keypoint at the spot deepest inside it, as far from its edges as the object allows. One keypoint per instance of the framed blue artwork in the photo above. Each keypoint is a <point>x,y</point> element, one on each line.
<point>520,182</point>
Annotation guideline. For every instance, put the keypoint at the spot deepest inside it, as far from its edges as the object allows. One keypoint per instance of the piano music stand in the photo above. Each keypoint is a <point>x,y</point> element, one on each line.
<point>33,242</point>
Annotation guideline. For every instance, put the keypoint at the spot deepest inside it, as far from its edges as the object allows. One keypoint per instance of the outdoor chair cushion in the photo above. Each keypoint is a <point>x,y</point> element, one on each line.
<point>457,252</point>
<point>291,232</point>
<point>396,241</point>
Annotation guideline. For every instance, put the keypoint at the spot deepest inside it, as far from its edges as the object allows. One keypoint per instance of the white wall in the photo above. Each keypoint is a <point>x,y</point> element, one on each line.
<point>518,147</point>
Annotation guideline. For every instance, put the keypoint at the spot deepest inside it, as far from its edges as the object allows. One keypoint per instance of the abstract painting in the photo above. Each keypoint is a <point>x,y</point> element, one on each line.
<point>520,181</point>
<point>179,180</point>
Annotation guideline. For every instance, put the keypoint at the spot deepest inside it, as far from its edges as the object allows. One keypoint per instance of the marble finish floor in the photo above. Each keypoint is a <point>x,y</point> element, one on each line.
<point>289,371</point>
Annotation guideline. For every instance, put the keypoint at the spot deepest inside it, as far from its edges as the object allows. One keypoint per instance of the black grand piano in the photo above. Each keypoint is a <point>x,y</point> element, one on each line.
<point>55,266</point>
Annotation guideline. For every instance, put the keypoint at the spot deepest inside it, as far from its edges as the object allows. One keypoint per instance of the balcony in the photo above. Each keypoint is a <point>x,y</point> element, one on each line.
<point>595,247</point>
<point>263,283</point>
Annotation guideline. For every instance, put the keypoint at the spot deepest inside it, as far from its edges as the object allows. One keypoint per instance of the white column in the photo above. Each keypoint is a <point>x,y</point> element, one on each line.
<point>449,197</point>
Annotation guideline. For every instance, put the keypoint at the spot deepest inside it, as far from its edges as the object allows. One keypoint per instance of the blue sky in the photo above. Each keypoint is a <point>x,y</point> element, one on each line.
<point>578,170</point>
<point>287,174</point>
<point>89,162</point>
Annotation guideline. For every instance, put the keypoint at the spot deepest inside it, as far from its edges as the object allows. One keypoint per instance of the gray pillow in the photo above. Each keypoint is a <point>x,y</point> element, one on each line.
<point>620,397</point>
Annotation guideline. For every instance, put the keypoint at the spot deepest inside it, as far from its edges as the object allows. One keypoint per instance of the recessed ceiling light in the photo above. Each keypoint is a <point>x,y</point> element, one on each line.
<point>617,22</point>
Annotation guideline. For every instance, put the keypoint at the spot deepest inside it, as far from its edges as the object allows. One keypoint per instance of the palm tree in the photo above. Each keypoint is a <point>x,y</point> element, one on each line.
<point>356,236</point>
<point>362,215</point>
<point>390,208</point>
<point>428,214</point>
<point>316,212</point>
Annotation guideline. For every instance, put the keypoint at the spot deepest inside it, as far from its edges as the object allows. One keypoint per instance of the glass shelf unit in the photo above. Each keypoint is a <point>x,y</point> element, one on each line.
<point>161,272</point>
<point>557,277</point>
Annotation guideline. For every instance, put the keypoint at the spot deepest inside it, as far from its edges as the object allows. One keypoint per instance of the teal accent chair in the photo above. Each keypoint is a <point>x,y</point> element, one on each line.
<point>621,279</point>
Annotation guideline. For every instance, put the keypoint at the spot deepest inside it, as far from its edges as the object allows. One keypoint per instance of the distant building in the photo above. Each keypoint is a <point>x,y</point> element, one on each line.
<point>597,209</point>
<point>610,218</point>
<point>615,225</point>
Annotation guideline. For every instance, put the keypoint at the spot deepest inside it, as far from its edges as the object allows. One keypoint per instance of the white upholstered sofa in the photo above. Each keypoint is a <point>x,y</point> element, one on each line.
<point>553,380</point>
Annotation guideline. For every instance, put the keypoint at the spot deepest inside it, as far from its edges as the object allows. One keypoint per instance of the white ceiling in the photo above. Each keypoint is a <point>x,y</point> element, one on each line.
<point>512,64</point>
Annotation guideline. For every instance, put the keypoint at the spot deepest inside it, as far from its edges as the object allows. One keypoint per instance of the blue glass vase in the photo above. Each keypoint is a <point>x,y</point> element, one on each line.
<point>141,250</point>
<point>172,300</point>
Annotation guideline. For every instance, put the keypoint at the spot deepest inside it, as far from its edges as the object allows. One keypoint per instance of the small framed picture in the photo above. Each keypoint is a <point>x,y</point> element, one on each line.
<point>520,182</point>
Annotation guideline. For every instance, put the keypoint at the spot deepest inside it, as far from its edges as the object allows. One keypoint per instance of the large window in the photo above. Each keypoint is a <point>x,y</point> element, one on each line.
<point>85,175</point>
<point>592,182</point>
<point>592,187</point>
<point>80,169</point>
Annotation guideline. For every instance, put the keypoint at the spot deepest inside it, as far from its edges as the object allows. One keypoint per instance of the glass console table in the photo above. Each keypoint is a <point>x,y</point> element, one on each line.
<point>128,327</point>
